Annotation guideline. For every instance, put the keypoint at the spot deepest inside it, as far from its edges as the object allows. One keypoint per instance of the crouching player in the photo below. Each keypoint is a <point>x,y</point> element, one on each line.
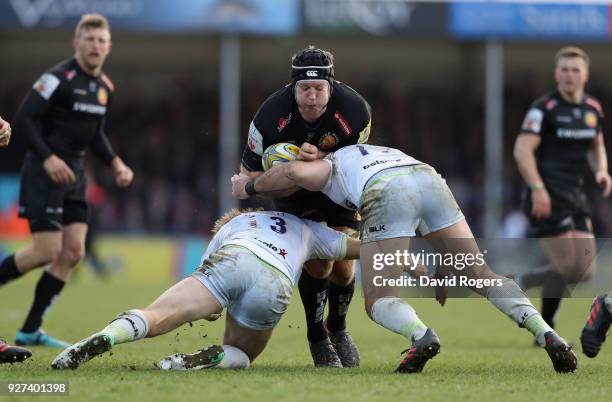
<point>395,194</point>
<point>249,267</point>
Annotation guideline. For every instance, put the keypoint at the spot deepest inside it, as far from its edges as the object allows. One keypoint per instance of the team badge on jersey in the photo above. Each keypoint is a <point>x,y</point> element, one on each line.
<point>283,122</point>
<point>328,141</point>
<point>533,120</point>
<point>102,96</point>
<point>46,85</point>
<point>590,119</point>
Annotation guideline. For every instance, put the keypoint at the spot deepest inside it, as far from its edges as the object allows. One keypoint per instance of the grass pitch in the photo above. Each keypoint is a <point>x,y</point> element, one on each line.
<point>484,356</point>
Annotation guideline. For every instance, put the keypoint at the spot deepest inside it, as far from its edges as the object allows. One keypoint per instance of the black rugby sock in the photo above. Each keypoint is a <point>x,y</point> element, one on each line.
<point>8,270</point>
<point>339,300</point>
<point>313,292</point>
<point>47,289</point>
<point>552,292</point>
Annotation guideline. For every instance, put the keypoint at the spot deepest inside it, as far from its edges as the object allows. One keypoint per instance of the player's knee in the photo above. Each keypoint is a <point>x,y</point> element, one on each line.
<point>343,273</point>
<point>73,254</point>
<point>319,269</point>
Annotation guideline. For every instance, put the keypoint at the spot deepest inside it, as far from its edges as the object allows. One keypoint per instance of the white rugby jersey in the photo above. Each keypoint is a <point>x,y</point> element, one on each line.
<point>280,239</point>
<point>354,165</point>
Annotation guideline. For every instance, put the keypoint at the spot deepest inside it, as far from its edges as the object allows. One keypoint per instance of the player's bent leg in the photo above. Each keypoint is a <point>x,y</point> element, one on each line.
<point>252,342</point>
<point>507,297</point>
<point>241,346</point>
<point>189,300</point>
<point>50,285</point>
<point>44,249</point>
<point>186,301</point>
<point>384,306</point>
<point>72,252</point>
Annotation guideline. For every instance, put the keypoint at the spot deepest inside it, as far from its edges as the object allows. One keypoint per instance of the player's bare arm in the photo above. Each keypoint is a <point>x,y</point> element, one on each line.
<point>602,176</point>
<point>524,154</point>
<point>252,174</point>
<point>271,194</point>
<point>308,175</point>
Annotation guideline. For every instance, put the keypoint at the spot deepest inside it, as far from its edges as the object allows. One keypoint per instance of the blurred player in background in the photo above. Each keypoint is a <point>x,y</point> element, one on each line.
<point>250,267</point>
<point>61,117</point>
<point>560,130</point>
<point>396,194</point>
<point>597,325</point>
<point>8,353</point>
<point>320,114</point>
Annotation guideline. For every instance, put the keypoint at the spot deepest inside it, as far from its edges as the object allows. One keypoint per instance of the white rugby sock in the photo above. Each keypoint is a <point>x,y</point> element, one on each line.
<point>398,316</point>
<point>127,327</point>
<point>513,302</point>
<point>234,358</point>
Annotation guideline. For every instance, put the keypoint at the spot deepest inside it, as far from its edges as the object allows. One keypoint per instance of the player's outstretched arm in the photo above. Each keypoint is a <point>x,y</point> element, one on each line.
<point>286,176</point>
<point>311,176</point>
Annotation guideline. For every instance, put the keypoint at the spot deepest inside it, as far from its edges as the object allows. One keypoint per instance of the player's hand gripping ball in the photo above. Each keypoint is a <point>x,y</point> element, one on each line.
<point>279,153</point>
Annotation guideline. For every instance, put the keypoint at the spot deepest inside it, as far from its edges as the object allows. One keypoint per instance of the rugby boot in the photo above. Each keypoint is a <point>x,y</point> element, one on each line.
<point>39,338</point>
<point>324,354</point>
<point>205,358</point>
<point>83,351</point>
<point>563,358</point>
<point>595,329</point>
<point>12,354</point>
<point>345,348</point>
<point>421,351</point>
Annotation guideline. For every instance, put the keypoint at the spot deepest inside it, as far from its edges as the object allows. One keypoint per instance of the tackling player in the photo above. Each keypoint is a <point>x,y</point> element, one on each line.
<point>316,110</point>
<point>249,267</point>
<point>558,133</point>
<point>61,117</point>
<point>395,194</point>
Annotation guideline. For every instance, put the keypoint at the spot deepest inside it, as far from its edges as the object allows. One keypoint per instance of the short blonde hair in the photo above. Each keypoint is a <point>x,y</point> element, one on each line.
<point>569,52</point>
<point>231,214</point>
<point>91,21</point>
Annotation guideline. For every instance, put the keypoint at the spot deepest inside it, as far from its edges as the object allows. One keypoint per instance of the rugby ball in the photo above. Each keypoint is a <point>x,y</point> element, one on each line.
<point>279,153</point>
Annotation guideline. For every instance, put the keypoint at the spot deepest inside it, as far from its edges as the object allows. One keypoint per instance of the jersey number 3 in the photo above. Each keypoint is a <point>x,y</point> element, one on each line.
<point>281,225</point>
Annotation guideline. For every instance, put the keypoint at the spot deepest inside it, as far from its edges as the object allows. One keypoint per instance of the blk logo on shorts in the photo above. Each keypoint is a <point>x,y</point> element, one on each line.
<point>377,228</point>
